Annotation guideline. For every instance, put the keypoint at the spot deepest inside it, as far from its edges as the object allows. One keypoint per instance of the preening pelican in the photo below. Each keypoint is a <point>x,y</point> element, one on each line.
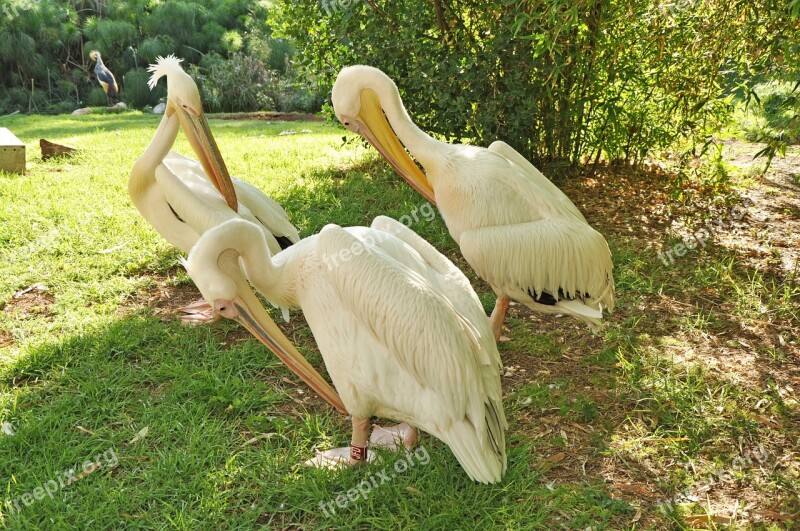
<point>182,198</point>
<point>516,229</point>
<point>104,76</point>
<point>402,333</point>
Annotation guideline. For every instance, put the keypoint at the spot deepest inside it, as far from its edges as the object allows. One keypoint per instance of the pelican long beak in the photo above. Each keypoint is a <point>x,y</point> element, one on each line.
<point>199,135</point>
<point>248,311</point>
<point>374,126</point>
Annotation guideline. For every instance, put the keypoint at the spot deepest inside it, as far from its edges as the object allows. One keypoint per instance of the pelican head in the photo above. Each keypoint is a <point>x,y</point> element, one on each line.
<point>214,265</point>
<point>183,98</point>
<point>359,97</point>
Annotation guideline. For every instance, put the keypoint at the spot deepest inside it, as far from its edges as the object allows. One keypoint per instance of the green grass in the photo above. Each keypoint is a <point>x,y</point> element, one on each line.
<point>90,362</point>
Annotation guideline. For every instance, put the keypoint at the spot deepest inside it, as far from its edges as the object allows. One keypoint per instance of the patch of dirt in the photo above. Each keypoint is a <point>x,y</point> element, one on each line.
<point>33,301</point>
<point>269,116</point>
<point>773,226</point>
<point>165,299</point>
<point>760,355</point>
<point>6,338</point>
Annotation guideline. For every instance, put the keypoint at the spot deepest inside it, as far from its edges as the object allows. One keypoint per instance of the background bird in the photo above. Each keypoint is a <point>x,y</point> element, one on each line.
<point>402,333</point>
<point>516,229</point>
<point>104,76</point>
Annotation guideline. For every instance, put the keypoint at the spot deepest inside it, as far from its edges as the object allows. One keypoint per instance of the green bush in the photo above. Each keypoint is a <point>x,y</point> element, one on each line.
<point>49,43</point>
<point>96,98</point>
<point>137,94</point>
<point>773,112</point>
<point>63,107</point>
<point>240,83</point>
<point>565,80</point>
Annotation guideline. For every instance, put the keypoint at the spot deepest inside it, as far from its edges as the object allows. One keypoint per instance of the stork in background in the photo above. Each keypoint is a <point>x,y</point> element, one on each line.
<point>182,198</point>
<point>104,76</point>
<point>516,229</point>
<point>402,333</point>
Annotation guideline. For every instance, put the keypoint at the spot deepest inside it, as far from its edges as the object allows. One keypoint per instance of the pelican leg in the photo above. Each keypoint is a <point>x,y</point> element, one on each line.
<point>499,315</point>
<point>358,442</point>
<point>197,313</point>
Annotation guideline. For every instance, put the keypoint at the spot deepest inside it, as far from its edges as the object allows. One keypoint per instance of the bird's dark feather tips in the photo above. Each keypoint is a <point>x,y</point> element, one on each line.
<point>548,299</point>
<point>284,242</point>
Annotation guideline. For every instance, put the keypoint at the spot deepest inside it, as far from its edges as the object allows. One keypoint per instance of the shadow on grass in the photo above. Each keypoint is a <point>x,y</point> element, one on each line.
<point>705,349</point>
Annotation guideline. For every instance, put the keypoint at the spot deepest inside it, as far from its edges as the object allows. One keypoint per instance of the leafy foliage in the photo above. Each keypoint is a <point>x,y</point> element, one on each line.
<point>238,84</point>
<point>771,115</point>
<point>44,49</point>
<point>559,80</point>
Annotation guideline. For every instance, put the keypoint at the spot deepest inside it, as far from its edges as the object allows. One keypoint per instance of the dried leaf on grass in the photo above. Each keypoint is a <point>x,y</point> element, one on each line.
<point>139,436</point>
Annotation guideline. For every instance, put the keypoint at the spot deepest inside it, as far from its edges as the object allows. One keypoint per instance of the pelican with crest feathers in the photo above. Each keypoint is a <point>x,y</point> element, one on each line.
<point>182,198</point>
<point>401,331</point>
<point>516,229</point>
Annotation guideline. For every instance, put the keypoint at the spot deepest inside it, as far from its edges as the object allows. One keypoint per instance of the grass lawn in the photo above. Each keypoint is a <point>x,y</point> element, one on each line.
<point>683,412</point>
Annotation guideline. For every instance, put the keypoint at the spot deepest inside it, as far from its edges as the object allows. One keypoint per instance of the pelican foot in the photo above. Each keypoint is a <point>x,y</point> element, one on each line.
<point>336,458</point>
<point>393,436</point>
<point>197,313</point>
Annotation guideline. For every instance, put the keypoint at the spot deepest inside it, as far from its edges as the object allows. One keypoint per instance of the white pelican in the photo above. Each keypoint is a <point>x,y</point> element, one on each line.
<point>180,198</point>
<point>175,195</point>
<point>402,333</point>
<point>516,229</point>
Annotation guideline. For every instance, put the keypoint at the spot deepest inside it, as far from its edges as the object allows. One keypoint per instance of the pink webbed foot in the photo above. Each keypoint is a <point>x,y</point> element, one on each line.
<point>393,436</point>
<point>336,458</point>
<point>197,313</point>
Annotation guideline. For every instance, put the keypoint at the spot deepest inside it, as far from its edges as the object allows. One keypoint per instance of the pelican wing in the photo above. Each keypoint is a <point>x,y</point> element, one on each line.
<point>192,196</point>
<point>549,255</point>
<point>107,80</point>
<point>454,284</point>
<point>534,176</point>
<point>421,329</point>
<point>266,210</point>
<point>428,252</point>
